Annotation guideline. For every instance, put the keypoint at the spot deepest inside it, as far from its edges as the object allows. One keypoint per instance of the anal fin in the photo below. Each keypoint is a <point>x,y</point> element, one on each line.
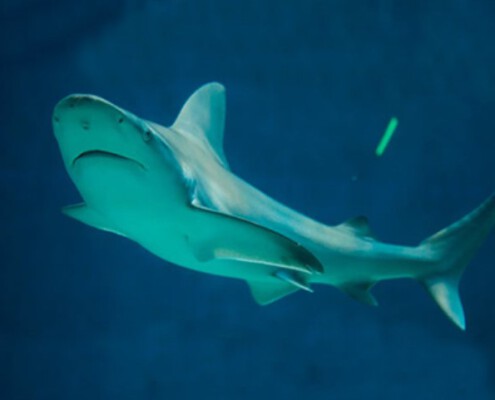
<point>361,292</point>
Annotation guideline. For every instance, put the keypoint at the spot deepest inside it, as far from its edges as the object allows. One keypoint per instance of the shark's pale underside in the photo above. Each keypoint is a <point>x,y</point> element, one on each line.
<point>171,191</point>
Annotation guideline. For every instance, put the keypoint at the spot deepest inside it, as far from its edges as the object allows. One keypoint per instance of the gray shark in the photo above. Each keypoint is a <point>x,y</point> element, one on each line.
<point>171,190</point>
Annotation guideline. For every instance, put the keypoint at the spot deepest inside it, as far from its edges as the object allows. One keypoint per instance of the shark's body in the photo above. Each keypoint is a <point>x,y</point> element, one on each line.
<point>171,190</point>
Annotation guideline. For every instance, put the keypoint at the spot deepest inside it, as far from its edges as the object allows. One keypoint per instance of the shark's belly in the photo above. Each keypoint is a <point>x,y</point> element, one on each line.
<point>175,236</point>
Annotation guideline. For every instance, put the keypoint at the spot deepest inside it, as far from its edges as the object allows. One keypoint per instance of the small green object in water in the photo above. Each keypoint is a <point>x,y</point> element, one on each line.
<point>392,126</point>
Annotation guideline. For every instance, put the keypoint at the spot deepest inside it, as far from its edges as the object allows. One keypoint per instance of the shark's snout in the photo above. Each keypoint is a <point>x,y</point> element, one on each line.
<point>86,112</point>
<point>78,99</point>
<point>88,127</point>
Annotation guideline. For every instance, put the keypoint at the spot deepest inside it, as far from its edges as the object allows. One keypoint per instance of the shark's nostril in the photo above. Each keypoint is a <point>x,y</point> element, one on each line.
<point>85,125</point>
<point>56,118</point>
<point>120,119</point>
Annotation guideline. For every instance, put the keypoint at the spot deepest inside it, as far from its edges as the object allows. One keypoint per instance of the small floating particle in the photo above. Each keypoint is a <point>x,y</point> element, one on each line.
<point>382,146</point>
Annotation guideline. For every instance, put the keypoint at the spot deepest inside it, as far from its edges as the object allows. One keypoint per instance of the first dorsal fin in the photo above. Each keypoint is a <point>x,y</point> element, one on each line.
<point>359,226</point>
<point>203,115</point>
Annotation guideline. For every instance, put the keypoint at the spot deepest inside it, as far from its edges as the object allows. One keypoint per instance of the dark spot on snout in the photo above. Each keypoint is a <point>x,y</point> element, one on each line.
<point>85,125</point>
<point>56,118</point>
<point>120,119</point>
<point>77,100</point>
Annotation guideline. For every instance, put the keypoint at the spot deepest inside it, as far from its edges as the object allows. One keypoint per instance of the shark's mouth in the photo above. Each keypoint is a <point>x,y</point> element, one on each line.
<point>105,154</point>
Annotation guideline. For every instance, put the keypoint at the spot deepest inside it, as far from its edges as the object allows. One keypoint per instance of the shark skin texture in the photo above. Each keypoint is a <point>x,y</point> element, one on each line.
<point>171,191</point>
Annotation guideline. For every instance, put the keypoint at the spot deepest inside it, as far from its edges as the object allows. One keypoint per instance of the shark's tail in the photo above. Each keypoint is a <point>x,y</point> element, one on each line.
<point>452,248</point>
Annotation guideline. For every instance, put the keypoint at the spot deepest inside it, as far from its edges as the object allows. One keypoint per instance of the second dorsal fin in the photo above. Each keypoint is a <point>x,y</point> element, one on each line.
<point>359,226</point>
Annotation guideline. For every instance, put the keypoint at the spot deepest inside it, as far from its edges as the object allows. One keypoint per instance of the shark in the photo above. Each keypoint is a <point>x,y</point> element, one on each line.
<point>171,190</point>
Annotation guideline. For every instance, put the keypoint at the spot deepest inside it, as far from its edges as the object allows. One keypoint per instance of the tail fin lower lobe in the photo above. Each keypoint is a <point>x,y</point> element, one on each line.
<point>453,248</point>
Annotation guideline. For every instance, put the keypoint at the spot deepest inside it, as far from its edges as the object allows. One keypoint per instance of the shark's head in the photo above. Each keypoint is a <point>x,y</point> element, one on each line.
<point>109,153</point>
<point>90,129</point>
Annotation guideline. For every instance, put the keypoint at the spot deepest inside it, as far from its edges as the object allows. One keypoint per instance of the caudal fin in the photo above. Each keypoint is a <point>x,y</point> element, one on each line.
<point>453,248</point>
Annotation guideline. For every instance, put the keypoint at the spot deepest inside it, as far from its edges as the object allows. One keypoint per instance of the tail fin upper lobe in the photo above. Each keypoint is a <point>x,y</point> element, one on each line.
<point>453,248</point>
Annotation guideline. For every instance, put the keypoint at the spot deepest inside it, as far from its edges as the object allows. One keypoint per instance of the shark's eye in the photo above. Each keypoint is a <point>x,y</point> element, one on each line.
<point>146,135</point>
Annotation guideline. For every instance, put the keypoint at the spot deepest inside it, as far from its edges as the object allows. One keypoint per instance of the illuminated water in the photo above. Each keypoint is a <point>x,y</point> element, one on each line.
<point>311,88</point>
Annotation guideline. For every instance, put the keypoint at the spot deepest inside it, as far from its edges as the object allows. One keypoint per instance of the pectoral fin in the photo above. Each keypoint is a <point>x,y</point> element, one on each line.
<point>231,238</point>
<point>82,213</point>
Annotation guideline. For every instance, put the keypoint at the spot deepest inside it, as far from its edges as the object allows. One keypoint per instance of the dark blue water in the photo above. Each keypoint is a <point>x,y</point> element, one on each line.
<point>311,87</point>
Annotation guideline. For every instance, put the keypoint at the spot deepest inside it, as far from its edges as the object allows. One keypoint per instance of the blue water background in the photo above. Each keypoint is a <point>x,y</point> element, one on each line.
<point>311,87</point>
